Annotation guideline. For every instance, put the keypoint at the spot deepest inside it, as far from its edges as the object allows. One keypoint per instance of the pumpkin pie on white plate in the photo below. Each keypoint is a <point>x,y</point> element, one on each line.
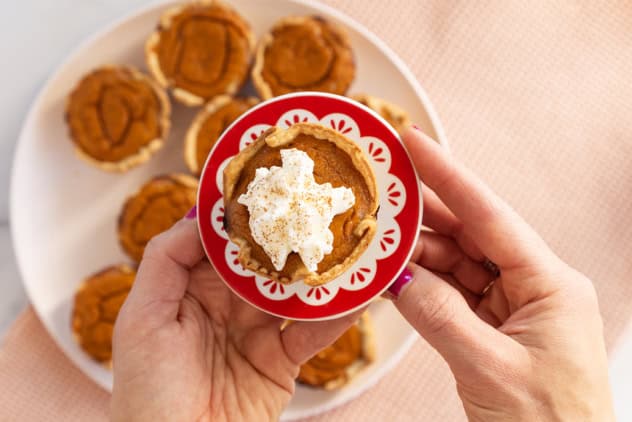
<point>157,206</point>
<point>117,117</point>
<point>200,50</point>
<point>303,53</point>
<point>393,114</point>
<point>208,125</point>
<point>97,303</point>
<point>335,365</point>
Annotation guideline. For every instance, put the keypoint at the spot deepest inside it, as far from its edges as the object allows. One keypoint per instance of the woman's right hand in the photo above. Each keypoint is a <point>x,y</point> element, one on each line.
<point>525,342</point>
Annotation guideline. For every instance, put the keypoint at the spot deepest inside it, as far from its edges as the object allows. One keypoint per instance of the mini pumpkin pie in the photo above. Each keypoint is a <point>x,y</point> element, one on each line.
<point>118,117</point>
<point>200,50</point>
<point>97,304</point>
<point>301,203</point>
<point>337,364</point>
<point>158,204</point>
<point>393,114</point>
<point>303,54</point>
<point>208,125</point>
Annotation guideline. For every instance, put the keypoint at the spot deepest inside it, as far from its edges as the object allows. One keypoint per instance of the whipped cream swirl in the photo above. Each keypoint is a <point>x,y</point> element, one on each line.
<point>290,212</point>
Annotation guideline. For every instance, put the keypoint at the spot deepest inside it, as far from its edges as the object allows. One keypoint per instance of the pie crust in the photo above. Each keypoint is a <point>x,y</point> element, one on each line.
<point>200,50</point>
<point>117,117</point>
<point>159,204</point>
<point>393,114</point>
<point>335,365</point>
<point>208,125</point>
<point>303,53</point>
<point>97,303</point>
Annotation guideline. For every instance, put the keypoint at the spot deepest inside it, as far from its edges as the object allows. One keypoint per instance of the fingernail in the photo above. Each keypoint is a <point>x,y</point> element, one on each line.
<point>404,278</point>
<point>417,128</point>
<point>192,213</point>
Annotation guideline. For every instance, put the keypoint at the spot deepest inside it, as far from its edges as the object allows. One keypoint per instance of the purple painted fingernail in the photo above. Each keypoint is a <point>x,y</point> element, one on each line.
<point>192,213</point>
<point>404,278</point>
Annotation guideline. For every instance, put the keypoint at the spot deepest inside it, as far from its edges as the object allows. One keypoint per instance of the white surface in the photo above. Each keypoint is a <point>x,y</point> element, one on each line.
<point>47,32</point>
<point>41,47</point>
<point>12,299</point>
<point>64,211</point>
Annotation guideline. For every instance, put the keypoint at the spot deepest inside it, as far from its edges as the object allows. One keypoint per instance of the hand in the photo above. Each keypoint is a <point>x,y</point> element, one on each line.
<point>186,348</point>
<point>523,344</point>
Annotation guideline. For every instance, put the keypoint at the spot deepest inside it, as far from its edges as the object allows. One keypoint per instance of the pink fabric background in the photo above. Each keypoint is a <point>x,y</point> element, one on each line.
<point>536,97</point>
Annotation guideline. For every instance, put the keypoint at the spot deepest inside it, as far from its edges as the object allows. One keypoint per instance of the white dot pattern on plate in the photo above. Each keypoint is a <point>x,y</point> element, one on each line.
<point>298,115</point>
<point>251,135</point>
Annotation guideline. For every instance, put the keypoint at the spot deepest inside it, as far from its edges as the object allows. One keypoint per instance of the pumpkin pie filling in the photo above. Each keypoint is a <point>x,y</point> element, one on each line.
<point>158,205</point>
<point>352,230</point>
<point>336,364</point>
<point>303,54</point>
<point>117,116</point>
<point>208,125</point>
<point>97,304</point>
<point>200,50</point>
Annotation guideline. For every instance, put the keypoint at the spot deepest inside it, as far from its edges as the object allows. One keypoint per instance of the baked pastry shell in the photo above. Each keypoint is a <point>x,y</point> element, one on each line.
<point>365,229</point>
<point>191,137</point>
<point>261,85</point>
<point>153,62</point>
<point>123,268</point>
<point>148,150</point>
<point>367,356</point>
<point>123,224</point>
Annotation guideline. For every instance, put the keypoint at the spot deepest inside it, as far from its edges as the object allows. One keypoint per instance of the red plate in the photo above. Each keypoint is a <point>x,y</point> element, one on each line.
<point>399,217</point>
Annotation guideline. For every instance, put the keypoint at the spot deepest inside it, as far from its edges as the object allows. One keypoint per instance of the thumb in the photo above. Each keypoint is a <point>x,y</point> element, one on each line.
<point>163,274</point>
<point>440,313</point>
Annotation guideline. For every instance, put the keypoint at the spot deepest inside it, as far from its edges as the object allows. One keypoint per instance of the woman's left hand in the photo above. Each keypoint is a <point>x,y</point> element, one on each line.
<point>186,348</point>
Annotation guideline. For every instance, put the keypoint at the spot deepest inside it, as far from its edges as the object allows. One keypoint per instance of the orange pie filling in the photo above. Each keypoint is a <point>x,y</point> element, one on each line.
<point>97,304</point>
<point>158,205</point>
<point>336,364</point>
<point>200,50</point>
<point>303,54</point>
<point>116,115</point>
<point>208,125</point>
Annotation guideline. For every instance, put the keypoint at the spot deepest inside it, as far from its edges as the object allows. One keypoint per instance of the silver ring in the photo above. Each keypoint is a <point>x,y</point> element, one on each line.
<point>488,287</point>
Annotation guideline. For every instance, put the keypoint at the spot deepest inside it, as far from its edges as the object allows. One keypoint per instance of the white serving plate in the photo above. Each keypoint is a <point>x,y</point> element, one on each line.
<point>63,211</point>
